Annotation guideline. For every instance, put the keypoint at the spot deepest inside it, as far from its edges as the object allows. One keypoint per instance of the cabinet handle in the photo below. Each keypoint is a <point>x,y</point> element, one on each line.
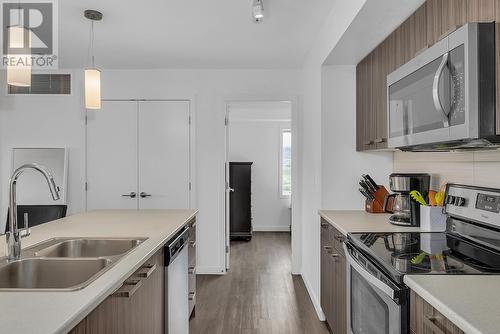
<point>192,296</point>
<point>340,238</point>
<point>327,247</point>
<point>192,244</point>
<point>192,271</point>
<point>131,195</point>
<point>144,195</point>
<point>380,140</point>
<point>430,322</point>
<point>370,142</point>
<point>128,289</point>
<point>335,256</point>
<point>146,271</point>
<point>324,225</point>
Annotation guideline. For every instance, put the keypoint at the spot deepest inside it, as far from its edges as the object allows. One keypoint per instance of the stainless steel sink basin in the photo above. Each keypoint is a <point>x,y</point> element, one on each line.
<point>43,273</point>
<point>81,248</point>
<point>63,264</point>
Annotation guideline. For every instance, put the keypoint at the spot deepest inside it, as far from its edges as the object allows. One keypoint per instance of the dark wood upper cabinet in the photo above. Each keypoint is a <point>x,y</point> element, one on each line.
<point>444,16</point>
<point>428,24</point>
<point>481,10</point>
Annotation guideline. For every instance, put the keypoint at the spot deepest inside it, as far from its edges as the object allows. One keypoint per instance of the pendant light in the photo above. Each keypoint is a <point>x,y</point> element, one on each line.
<point>19,74</point>
<point>92,74</point>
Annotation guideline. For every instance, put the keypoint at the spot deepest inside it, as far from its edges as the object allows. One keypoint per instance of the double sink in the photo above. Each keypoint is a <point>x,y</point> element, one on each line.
<point>63,264</point>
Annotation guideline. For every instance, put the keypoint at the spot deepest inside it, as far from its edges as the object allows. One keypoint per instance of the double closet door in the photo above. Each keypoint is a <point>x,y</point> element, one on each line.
<point>138,155</point>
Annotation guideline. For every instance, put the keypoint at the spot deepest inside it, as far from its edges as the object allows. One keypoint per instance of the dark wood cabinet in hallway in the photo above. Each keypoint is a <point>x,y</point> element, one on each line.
<point>258,295</point>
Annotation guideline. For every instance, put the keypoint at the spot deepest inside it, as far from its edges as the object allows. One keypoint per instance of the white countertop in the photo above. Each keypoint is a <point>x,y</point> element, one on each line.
<point>471,302</point>
<point>362,221</point>
<point>59,312</point>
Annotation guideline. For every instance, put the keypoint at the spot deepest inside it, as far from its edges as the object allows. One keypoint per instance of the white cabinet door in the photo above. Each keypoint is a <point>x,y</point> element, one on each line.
<point>164,155</point>
<point>112,156</point>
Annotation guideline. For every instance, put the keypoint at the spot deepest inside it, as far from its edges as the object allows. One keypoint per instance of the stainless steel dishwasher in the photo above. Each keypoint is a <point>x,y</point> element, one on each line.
<point>176,284</point>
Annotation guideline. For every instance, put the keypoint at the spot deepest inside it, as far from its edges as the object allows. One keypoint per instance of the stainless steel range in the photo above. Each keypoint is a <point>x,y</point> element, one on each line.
<point>377,262</point>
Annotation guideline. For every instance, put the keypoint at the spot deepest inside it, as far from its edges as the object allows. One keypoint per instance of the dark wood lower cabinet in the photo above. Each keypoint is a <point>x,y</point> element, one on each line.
<point>333,279</point>
<point>425,319</point>
<point>137,307</point>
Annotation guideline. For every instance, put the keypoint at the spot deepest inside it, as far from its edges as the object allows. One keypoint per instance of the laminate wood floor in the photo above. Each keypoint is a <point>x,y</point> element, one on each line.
<point>258,295</point>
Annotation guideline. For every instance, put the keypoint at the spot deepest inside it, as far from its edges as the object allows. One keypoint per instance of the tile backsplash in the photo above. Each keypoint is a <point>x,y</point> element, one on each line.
<point>474,168</point>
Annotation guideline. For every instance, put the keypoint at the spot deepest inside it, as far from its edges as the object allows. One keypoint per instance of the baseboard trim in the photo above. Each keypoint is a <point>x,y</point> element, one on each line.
<point>271,228</point>
<point>209,270</point>
<point>314,299</point>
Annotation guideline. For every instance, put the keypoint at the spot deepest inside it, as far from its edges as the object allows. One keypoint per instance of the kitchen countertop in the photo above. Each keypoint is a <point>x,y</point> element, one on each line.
<point>470,302</point>
<point>362,221</point>
<point>59,311</point>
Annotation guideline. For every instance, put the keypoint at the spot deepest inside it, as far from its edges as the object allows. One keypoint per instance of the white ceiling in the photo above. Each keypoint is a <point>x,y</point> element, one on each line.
<point>374,22</point>
<point>190,33</point>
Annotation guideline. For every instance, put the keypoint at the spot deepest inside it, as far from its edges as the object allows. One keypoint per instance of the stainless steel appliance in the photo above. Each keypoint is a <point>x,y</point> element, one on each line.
<point>406,212</point>
<point>444,98</point>
<point>176,284</point>
<point>378,300</point>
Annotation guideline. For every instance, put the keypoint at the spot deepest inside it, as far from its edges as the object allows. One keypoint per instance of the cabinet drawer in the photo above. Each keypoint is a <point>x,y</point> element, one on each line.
<point>425,319</point>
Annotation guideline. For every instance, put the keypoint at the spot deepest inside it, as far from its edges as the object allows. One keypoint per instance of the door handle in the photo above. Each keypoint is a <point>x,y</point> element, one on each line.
<point>435,91</point>
<point>131,195</point>
<point>144,195</point>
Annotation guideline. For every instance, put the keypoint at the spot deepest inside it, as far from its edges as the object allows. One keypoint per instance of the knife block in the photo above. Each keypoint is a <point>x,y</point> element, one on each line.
<point>377,205</point>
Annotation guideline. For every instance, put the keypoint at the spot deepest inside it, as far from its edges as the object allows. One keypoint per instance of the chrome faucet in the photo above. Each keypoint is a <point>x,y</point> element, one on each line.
<point>14,236</point>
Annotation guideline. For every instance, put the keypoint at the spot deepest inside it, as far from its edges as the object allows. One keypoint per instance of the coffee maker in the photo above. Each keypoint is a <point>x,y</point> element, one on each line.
<point>406,211</point>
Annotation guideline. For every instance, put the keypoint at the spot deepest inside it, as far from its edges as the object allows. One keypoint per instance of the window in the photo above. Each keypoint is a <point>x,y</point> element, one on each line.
<point>43,84</point>
<point>286,163</point>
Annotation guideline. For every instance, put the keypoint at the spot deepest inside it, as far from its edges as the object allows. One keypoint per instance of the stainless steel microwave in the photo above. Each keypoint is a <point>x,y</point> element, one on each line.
<point>445,98</point>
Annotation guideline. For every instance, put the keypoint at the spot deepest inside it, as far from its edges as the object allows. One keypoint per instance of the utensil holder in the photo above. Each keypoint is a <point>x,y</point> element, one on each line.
<point>377,205</point>
<point>432,219</point>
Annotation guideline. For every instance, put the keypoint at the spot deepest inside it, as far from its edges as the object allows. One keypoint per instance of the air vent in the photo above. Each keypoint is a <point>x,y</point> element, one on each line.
<point>44,84</point>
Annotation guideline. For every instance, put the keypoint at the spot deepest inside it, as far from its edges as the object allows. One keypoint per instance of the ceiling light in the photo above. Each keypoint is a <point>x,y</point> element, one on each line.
<point>258,10</point>
<point>92,74</point>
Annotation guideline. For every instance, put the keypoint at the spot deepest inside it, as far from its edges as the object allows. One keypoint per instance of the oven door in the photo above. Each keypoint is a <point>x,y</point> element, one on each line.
<point>375,304</point>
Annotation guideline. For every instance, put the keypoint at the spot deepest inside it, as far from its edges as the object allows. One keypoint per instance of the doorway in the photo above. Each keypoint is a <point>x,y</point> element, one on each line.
<point>259,148</point>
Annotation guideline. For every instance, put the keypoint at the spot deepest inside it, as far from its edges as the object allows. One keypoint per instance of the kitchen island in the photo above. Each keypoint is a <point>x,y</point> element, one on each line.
<point>60,311</point>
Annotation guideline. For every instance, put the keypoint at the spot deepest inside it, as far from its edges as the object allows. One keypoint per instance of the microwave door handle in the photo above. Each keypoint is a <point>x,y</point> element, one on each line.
<point>369,277</point>
<point>435,91</point>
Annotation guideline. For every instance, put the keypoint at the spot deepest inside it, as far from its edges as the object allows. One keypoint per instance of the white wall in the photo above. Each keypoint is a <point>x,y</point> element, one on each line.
<point>44,121</point>
<point>59,121</point>
<point>341,165</point>
<point>310,138</point>
<point>257,138</point>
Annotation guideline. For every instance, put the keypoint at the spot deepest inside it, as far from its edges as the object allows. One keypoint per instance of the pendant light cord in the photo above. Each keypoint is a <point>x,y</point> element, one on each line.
<point>90,53</point>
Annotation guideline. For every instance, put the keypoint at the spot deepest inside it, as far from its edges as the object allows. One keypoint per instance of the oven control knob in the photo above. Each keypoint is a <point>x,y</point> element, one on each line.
<point>459,201</point>
<point>450,199</point>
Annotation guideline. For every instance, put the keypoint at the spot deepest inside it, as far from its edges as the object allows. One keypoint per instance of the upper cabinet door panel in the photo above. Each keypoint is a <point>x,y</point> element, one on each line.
<point>112,156</point>
<point>444,16</point>
<point>480,10</point>
<point>164,168</point>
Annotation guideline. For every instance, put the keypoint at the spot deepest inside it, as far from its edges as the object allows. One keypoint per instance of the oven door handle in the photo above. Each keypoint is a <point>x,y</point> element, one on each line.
<point>386,289</point>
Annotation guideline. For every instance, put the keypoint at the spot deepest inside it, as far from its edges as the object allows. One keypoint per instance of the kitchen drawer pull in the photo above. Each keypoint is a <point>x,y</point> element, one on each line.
<point>192,295</point>
<point>324,225</point>
<point>327,247</point>
<point>370,142</point>
<point>192,244</point>
<point>340,237</point>
<point>430,322</point>
<point>380,140</point>
<point>192,270</point>
<point>146,271</point>
<point>128,289</point>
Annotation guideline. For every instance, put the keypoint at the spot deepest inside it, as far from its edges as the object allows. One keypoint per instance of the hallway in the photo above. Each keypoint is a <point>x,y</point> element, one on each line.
<point>258,295</point>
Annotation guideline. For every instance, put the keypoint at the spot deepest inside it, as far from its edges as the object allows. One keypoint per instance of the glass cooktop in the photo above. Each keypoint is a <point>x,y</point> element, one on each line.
<point>427,253</point>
